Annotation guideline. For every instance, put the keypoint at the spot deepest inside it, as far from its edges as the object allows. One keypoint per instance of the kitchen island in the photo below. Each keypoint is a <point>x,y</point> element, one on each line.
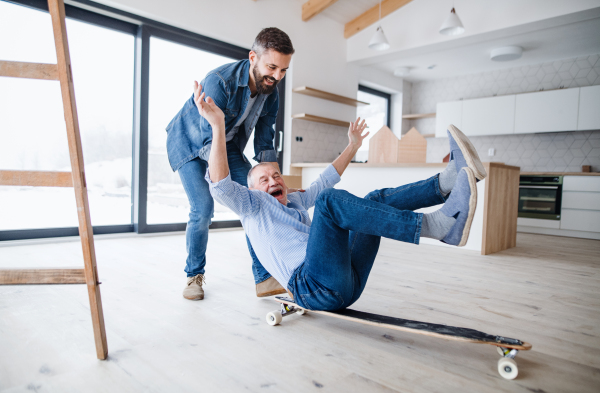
<point>494,226</point>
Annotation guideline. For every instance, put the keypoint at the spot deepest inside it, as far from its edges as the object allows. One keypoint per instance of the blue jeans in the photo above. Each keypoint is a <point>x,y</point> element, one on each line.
<point>202,209</point>
<point>344,240</point>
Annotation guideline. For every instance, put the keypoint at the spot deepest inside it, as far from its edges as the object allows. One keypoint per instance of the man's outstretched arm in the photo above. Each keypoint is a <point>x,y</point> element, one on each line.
<point>331,174</point>
<point>355,137</point>
<point>217,161</point>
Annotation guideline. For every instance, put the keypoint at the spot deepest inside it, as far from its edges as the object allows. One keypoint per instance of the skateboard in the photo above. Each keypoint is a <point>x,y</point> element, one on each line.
<point>507,347</point>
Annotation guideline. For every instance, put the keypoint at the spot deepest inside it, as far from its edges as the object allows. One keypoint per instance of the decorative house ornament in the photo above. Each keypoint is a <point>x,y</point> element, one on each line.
<point>386,148</point>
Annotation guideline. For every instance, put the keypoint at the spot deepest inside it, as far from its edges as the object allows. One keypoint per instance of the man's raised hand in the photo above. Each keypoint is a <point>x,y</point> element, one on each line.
<point>207,108</point>
<point>355,132</point>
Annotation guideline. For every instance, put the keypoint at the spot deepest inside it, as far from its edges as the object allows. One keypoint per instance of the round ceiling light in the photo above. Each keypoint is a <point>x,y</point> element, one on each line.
<point>506,53</point>
<point>401,71</point>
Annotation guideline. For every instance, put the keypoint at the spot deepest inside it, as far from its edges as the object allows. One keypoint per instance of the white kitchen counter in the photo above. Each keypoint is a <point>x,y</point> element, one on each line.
<point>360,179</point>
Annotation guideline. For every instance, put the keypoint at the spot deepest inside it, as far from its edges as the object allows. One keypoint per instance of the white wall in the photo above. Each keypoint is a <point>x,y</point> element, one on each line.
<point>319,62</point>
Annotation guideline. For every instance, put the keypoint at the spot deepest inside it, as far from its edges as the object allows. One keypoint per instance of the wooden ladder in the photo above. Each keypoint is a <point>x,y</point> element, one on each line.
<point>76,178</point>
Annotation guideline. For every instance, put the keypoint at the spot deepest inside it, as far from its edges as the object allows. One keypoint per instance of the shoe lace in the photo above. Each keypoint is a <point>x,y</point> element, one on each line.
<point>199,279</point>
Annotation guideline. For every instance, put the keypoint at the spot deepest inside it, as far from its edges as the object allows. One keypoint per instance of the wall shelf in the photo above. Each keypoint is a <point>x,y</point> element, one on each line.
<point>309,91</point>
<point>419,116</point>
<point>318,119</point>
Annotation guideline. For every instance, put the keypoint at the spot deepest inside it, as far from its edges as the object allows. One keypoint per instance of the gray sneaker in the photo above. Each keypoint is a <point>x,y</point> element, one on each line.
<point>193,290</point>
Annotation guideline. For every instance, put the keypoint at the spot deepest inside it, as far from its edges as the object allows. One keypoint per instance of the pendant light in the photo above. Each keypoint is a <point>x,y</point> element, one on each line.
<point>452,25</point>
<point>379,42</point>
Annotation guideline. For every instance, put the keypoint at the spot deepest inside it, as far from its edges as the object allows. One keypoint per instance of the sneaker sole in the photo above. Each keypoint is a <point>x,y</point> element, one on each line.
<point>194,298</point>
<point>271,293</point>
<point>472,207</point>
<point>469,152</point>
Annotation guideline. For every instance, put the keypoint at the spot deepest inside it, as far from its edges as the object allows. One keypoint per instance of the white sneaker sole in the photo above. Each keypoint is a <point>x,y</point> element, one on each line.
<point>469,152</point>
<point>472,207</point>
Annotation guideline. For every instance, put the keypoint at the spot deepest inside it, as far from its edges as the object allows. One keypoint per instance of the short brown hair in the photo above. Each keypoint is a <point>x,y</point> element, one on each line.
<point>273,38</point>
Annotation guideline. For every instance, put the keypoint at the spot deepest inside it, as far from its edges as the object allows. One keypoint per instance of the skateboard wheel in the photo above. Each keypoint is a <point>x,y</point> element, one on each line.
<point>274,318</point>
<point>301,311</point>
<point>507,368</point>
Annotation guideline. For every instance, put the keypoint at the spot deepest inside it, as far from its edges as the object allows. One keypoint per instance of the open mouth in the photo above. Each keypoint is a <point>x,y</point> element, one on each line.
<point>276,193</point>
<point>269,81</point>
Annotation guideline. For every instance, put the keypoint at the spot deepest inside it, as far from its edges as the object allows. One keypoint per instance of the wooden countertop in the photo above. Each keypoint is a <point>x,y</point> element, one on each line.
<point>560,173</point>
<point>367,165</point>
<point>395,165</point>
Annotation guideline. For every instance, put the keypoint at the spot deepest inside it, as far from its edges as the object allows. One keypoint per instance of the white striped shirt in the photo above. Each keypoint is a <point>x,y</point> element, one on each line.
<point>279,234</point>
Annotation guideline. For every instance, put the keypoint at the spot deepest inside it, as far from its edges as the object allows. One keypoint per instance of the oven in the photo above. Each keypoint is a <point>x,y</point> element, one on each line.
<point>540,197</point>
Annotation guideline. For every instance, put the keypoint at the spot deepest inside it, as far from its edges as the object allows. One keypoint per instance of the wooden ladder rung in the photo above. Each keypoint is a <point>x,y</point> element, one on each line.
<point>36,178</point>
<point>17,69</point>
<point>41,276</point>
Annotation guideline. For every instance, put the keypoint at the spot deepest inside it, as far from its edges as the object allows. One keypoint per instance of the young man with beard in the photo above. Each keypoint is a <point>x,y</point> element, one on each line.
<point>246,92</point>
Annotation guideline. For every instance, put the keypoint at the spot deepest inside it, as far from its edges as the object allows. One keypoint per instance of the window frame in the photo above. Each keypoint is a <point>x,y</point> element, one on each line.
<point>382,94</point>
<point>141,29</point>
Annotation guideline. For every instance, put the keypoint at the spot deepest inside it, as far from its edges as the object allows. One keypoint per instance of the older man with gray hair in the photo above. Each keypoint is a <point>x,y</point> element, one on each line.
<point>325,263</point>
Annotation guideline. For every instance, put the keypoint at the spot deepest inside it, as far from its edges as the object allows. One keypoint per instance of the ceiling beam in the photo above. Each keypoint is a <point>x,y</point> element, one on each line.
<point>365,20</point>
<point>314,7</point>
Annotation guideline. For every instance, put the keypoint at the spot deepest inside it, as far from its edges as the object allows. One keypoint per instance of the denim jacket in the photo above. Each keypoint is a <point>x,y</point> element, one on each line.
<point>189,135</point>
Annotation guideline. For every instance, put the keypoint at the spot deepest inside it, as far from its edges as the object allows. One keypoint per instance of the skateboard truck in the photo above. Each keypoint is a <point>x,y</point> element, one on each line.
<point>275,317</point>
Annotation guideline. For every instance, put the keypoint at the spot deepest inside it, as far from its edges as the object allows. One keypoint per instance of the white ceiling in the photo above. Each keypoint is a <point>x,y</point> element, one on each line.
<point>539,46</point>
<point>543,39</point>
<point>343,11</point>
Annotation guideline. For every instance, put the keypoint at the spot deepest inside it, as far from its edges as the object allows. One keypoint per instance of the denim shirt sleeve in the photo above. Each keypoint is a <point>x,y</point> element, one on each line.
<point>264,133</point>
<point>238,198</point>
<point>215,88</point>
<point>327,179</point>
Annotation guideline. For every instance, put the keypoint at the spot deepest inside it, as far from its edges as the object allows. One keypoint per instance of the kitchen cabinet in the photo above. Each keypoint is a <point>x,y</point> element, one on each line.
<point>489,116</point>
<point>544,111</point>
<point>581,183</point>
<point>547,111</point>
<point>580,209</point>
<point>580,200</point>
<point>581,204</point>
<point>580,220</point>
<point>589,108</point>
<point>447,113</point>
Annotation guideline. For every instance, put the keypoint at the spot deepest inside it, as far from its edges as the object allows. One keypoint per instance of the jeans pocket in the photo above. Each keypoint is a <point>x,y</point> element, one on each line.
<point>322,300</point>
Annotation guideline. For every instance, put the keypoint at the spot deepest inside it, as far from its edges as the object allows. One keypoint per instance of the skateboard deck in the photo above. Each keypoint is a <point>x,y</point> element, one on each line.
<point>507,347</point>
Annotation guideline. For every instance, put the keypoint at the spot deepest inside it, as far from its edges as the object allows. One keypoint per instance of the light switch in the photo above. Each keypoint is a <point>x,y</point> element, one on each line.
<point>491,152</point>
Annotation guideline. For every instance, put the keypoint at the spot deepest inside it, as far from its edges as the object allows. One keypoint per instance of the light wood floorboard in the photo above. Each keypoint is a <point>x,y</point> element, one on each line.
<point>544,291</point>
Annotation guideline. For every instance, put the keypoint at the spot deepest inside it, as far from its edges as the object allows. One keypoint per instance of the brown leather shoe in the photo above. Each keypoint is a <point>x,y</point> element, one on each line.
<point>269,287</point>
<point>193,290</point>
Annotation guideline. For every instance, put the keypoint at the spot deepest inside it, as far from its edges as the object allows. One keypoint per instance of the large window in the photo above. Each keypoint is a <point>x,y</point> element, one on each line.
<point>169,90</point>
<point>131,76</point>
<point>32,127</point>
<point>377,115</point>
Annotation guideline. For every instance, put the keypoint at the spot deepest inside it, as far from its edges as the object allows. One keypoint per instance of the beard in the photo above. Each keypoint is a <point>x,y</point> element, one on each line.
<point>261,86</point>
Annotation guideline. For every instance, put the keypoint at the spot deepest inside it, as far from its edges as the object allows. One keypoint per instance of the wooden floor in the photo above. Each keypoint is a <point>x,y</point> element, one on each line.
<point>546,291</point>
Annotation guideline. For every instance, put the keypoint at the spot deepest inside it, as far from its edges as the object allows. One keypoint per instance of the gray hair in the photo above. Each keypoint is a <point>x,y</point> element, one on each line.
<point>250,179</point>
